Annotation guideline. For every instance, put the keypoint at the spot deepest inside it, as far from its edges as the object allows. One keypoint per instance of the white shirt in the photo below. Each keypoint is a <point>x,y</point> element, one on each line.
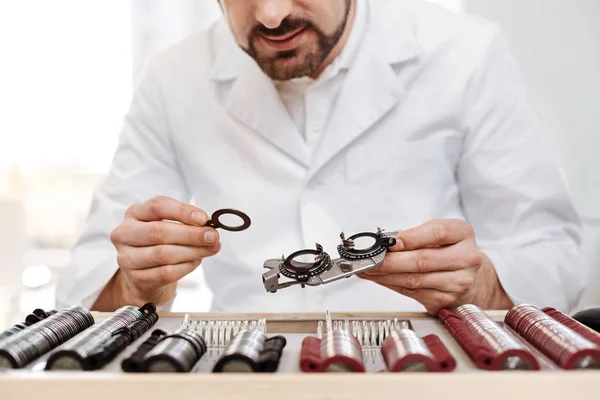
<point>309,101</point>
<point>432,121</point>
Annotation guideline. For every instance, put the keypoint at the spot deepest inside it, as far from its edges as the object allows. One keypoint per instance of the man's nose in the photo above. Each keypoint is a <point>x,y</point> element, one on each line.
<point>270,13</point>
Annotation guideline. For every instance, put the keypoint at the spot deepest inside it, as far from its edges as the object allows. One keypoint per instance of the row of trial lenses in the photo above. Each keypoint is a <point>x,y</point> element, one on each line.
<point>73,355</point>
<point>341,352</point>
<point>119,341</point>
<point>134,362</point>
<point>142,325</point>
<point>36,316</point>
<point>494,336</point>
<point>243,353</point>
<point>402,343</point>
<point>488,330</point>
<point>178,352</point>
<point>564,346</point>
<point>27,345</point>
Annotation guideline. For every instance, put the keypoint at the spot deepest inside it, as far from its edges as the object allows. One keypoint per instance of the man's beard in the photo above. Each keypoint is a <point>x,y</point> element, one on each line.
<point>280,67</point>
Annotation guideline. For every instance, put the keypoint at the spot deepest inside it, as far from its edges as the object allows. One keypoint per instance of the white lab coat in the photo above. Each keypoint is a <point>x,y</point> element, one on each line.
<point>432,122</point>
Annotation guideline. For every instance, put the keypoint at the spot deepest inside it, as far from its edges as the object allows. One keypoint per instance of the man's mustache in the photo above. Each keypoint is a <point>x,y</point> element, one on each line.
<point>286,26</point>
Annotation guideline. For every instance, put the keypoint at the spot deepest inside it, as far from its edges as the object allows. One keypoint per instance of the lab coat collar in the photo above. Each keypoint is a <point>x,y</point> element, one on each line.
<point>392,32</point>
<point>249,96</point>
<point>372,87</point>
<point>370,91</point>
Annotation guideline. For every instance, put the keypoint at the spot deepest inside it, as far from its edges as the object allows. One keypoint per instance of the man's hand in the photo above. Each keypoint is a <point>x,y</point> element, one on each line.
<point>439,265</point>
<point>160,241</point>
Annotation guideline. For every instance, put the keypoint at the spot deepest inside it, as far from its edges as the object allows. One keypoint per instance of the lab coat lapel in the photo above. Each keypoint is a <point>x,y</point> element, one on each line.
<point>370,91</point>
<point>371,88</point>
<point>249,96</point>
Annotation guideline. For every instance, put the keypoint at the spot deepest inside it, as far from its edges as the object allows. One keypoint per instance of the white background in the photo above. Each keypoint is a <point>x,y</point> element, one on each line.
<point>67,68</point>
<point>557,43</point>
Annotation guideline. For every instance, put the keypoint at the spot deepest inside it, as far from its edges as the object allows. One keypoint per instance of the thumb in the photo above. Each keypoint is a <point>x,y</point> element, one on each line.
<point>399,246</point>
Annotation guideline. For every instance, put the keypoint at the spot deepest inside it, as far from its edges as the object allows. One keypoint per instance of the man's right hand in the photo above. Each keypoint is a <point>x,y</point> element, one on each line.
<point>160,241</point>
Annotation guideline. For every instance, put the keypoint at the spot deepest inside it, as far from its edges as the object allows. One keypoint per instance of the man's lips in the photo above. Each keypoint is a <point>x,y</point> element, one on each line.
<point>284,42</point>
<point>284,36</point>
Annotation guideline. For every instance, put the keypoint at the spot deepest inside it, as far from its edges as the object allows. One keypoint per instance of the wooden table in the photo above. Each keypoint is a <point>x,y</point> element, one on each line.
<point>466,382</point>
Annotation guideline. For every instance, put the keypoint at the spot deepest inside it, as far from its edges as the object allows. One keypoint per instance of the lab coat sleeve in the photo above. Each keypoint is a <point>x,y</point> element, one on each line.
<point>144,165</point>
<point>512,189</point>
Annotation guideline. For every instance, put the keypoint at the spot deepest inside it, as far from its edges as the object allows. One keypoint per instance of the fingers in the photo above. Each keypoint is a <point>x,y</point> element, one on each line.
<point>451,258</point>
<point>160,241</point>
<point>151,279</point>
<point>451,282</point>
<point>436,264</point>
<point>160,208</point>
<point>135,233</point>
<point>153,256</point>
<point>433,233</point>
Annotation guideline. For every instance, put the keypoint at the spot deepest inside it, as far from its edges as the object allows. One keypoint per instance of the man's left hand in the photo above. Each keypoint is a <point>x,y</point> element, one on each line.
<point>439,265</point>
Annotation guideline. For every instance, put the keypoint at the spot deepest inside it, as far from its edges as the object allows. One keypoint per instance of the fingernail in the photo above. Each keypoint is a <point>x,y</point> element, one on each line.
<point>199,218</point>
<point>211,237</point>
<point>371,271</point>
<point>399,246</point>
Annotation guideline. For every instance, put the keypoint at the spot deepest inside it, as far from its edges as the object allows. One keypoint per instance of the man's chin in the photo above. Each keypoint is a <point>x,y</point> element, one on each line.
<point>289,65</point>
<point>286,72</point>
